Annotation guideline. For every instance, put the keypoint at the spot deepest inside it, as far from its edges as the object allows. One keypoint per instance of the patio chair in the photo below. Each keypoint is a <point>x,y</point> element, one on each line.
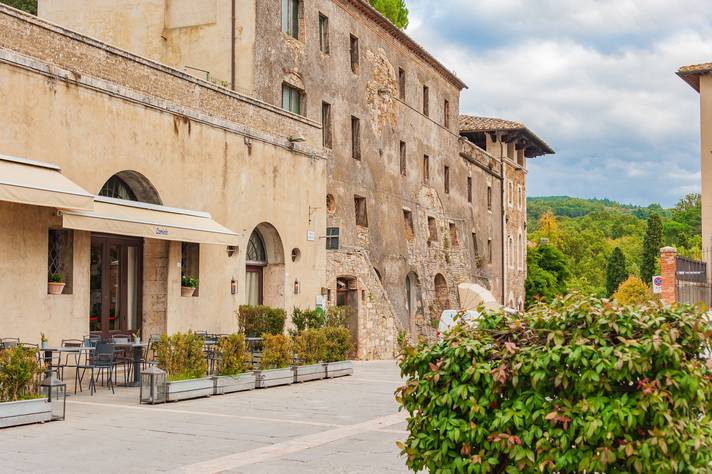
<point>101,360</point>
<point>74,356</point>
<point>9,342</point>
<point>123,357</point>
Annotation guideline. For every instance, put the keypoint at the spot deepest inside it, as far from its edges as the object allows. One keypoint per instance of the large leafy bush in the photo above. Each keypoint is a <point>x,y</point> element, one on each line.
<point>338,344</point>
<point>181,356</point>
<point>255,321</point>
<point>633,291</point>
<point>278,351</point>
<point>309,346</point>
<point>307,319</point>
<point>20,372</point>
<point>232,355</point>
<point>584,385</point>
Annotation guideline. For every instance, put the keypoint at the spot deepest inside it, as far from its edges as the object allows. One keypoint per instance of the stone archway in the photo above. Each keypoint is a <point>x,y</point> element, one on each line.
<point>264,266</point>
<point>130,185</point>
<point>442,295</point>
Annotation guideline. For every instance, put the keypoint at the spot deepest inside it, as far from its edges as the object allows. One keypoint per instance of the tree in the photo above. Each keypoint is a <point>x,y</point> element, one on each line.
<point>633,291</point>
<point>547,274</point>
<point>394,10</point>
<point>616,272</point>
<point>30,6</point>
<point>652,243</point>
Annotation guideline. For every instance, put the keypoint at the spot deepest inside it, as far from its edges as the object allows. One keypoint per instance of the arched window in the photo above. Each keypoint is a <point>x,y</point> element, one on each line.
<point>441,292</point>
<point>256,254</point>
<point>117,188</point>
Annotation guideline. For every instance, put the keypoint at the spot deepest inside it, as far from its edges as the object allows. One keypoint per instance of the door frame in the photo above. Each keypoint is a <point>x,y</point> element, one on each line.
<point>259,269</point>
<point>106,240</point>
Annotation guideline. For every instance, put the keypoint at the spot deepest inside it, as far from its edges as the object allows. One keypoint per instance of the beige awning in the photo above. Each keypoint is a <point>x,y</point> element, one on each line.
<point>40,184</point>
<point>114,216</point>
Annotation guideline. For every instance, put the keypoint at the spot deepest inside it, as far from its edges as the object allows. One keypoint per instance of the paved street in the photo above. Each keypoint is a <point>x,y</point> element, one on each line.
<point>347,425</point>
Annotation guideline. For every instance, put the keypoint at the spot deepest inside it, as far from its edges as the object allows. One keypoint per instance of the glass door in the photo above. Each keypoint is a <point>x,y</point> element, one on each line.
<point>115,285</point>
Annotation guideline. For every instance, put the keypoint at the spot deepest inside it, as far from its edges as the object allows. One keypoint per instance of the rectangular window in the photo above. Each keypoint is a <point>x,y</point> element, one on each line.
<point>290,17</point>
<point>446,113</point>
<point>510,193</point>
<point>469,189</point>
<point>323,34</point>
<point>401,84</point>
<point>475,247</point>
<point>355,138</point>
<point>453,235</point>
<point>426,101</point>
<point>332,238</point>
<point>520,200</point>
<point>361,211</point>
<point>354,54</point>
<point>426,169</point>
<point>446,179</point>
<point>408,221</point>
<point>60,258</point>
<point>489,198</point>
<point>292,99</point>
<point>432,229</point>
<point>403,159</point>
<point>326,128</point>
<point>489,251</point>
<point>190,262</point>
<point>510,150</point>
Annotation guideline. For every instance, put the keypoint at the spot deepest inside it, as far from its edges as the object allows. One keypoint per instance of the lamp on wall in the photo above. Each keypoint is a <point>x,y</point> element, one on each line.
<point>232,250</point>
<point>233,287</point>
<point>293,139</point>
<point>296,287</point>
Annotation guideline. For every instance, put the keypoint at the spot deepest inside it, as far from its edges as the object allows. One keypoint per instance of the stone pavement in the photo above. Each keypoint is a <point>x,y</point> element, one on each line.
<point>346,425</point>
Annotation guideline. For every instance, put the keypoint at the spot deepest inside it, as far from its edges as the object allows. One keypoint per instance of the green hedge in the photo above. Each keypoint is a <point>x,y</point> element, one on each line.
<point>181,356</point>
<point>309,346</point>
<point>338,344</point>
<point>307,319</point>
<point>278,351</point>
<point>255,321</point>
<point>232,355</point>
<point>19,374</point>
<point>584,385</point>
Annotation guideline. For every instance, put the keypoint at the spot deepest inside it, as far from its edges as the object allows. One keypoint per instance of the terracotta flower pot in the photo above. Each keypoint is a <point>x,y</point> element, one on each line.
<point>55,288</point>
<point>186,291</point>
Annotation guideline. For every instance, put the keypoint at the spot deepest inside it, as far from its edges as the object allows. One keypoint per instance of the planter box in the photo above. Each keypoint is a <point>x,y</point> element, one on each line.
<point>274,377</point>
<point>230,384</point>
<point>187,389</point>
<point>305,373</point>
<point>339,369</point>
<point>25,412</point>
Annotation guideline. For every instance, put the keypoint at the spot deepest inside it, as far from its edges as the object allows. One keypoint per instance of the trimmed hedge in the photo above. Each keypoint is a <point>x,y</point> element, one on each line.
<point>255,321</point>
<point>585,385</point>
<point>278,352</point>
<point>338,344</point>
<point>307,319</point>
<point>20,372</point>
<point>309,346</point>
<point>181,356</point>
<point>233,358</point>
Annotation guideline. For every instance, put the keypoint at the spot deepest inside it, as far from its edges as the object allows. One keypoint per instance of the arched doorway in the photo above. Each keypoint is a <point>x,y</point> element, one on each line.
<point>116,264</point>
<point>347,296</point>
<point>442,297</point>
<point>264,267</point>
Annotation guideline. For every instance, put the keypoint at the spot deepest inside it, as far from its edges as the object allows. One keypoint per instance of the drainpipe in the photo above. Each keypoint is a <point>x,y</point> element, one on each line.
<point>503,221</point>
<point>232,48</point>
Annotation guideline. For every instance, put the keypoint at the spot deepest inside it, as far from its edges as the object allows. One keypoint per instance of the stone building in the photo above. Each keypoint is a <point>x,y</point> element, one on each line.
<point>412,202</point>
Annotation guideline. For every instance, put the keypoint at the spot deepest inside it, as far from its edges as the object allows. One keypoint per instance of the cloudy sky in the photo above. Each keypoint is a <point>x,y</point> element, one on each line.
<point>594,78</point>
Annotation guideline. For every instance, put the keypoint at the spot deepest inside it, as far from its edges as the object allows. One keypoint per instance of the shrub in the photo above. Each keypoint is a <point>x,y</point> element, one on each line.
<point>309,346</point>
<point>232,355</point>
<point>633,291</point>
<point>19,374</point>
<point>258,320</point>
<point>181,356</point>
<point>338,344</point>
<point>278,351</point>
<point>307,319</point>
<point>581,386</point>
<point>337,317</point>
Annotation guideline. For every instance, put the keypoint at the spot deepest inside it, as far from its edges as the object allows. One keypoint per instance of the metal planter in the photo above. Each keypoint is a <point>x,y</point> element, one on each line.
<point>339,369</point>
<point>187,389</point>
<point>25,412</point>
<point>274,377</point>
<point>305,373</point>
<point>233,383</point>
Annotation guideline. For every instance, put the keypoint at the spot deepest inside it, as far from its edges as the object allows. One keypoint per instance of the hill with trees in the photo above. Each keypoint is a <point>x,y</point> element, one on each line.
<point>587,231</point>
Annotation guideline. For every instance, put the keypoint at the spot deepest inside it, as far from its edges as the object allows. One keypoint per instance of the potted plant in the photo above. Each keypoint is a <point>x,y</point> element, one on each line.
<point>233,362</point>
<point>55,285</point>
<point>188,285</point>
<point>336,352</point>
<point>136,338</point>
<point>20,399</point>
<point>277,359</point>
<point>181,357</point>
<point>309,347</point>
<point>44,344</point>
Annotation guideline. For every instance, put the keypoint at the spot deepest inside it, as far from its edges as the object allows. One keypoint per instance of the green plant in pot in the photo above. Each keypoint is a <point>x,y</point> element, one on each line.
<point>232,355</point>
<point>188,285</point>
<point>55,284</point>
<point>20,372</point>
<point>44,343</point>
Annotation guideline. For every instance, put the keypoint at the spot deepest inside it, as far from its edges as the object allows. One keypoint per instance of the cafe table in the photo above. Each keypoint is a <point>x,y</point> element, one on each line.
<point>137,351</point>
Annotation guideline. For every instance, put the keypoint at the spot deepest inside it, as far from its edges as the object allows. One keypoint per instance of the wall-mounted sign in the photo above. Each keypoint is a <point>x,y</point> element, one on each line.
<point>161,231</point>
<point>657,284</point>
<point>311,235</point>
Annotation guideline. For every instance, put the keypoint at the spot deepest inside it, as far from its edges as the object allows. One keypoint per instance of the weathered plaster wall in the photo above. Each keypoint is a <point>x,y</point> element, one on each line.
<point>706,152</point>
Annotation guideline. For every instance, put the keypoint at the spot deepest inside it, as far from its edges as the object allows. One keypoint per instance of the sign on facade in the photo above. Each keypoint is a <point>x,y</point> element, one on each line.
<point>657,284</point>
<point>311,235</point>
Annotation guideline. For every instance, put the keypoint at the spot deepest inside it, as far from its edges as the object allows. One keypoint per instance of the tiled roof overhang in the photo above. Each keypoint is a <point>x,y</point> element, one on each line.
<point>691,74</point>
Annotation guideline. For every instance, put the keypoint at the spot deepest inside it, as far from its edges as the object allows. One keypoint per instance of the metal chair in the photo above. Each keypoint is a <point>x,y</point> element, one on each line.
<point>9,342</point>
<point>101,360</point>
<point>75,356</point>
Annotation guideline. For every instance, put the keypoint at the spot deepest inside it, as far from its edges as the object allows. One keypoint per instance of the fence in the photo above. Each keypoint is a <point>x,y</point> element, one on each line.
<point>691,280</point>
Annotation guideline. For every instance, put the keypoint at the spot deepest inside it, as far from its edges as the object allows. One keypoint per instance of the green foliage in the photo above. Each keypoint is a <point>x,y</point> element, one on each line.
<point>278,351</point>
<point>255,321</point>
<point>633,291</point>
<point>233,358</point>
<point>307,319</point>
<point>581,386</point>
<point>338,344</point>
<point>29,6</point>
<point>651,248</point>
<point>309,346</point>
<point>20,372</point>
<point>181,356</point>
<point>394,10</point>
<point>55,278</point>
<point>548,271</point>
<point>616,272</point>
<point>189,281</point>
<point>337,317</point>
